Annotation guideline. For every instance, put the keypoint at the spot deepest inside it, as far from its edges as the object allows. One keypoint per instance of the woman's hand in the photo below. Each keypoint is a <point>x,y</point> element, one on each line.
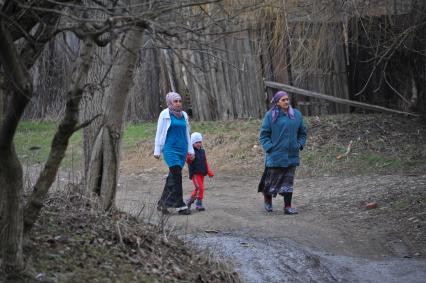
<point>191,157</point>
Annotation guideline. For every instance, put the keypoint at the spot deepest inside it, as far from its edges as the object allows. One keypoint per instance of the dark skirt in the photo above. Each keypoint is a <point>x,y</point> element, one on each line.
<point>172,194</point>
<point>277,180</point>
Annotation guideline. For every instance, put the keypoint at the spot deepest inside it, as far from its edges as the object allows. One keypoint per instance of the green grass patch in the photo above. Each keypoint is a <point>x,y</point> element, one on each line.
<point>137,132</point>
<point>322,160</point>
<point>33,142</point>
<point>235,140</point>
<point>386,163</point>
<point>223,127</point>
<point>373,159</point>
<point>400,205</point>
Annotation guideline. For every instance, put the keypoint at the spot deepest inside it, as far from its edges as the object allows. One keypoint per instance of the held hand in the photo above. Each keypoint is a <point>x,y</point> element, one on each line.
<point>191,157</point>
<point>156,156</point>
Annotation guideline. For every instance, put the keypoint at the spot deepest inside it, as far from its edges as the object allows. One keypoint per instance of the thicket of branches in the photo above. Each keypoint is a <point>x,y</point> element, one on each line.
<point>371,51</point>
<point>88,30</point>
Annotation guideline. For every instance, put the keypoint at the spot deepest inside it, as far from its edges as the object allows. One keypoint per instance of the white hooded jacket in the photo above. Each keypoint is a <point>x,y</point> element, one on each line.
<point>163,125</point>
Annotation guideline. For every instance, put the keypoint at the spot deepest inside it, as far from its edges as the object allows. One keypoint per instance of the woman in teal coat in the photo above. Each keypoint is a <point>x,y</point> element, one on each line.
<point>282,136</point>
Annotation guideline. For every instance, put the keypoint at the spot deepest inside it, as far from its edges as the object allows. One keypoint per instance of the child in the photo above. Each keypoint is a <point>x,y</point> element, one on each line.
<point>198,168</point>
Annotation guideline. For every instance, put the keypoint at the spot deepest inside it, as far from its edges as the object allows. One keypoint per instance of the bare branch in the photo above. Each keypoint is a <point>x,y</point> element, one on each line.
<point>86,123</point>
<point>395,91</point>
<point>388,52</point>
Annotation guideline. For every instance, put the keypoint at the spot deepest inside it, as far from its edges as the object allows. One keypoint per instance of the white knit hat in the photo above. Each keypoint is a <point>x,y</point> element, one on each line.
<point>196,137</point>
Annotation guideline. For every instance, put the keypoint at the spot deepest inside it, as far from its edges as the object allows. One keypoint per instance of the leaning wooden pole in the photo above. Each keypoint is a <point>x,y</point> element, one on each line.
<point>305,92</point>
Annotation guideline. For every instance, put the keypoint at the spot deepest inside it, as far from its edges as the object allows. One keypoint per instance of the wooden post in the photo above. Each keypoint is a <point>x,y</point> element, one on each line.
<point>335,99</point>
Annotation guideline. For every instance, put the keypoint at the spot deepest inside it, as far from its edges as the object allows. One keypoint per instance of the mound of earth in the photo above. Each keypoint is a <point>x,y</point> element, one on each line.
<point>76,242</point>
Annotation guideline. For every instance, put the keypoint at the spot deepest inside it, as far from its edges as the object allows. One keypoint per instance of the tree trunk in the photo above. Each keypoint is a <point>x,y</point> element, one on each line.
<point>94,103</point>
<point>52,75</point>
<point>2,98</point>
<point>144,102</point>
<point>11,182</point>
<point>224,85</point>
<point>102,170</point>
<point>65,130</point>
<point>11,213</point>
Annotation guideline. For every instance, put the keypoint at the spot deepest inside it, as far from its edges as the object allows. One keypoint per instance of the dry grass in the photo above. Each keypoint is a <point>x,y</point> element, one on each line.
<point>77,242</point>
<point>381,144</point>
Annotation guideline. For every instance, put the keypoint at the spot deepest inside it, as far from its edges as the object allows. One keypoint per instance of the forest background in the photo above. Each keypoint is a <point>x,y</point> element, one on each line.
<point>93,65</point>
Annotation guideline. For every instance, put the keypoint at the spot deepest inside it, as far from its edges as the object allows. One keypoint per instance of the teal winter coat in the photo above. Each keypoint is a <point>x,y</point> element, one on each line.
<point>283,139</point>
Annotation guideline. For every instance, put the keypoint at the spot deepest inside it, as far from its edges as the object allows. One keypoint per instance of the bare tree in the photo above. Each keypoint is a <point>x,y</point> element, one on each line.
<point>102,174</point>
<point>25,28</point>
<point>17,89</point>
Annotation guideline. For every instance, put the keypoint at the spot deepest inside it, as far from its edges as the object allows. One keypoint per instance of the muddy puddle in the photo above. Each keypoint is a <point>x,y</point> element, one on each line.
<point>281,260</point>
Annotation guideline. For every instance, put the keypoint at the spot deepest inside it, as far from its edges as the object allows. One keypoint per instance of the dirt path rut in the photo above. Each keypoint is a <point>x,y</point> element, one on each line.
<point>333,232</point>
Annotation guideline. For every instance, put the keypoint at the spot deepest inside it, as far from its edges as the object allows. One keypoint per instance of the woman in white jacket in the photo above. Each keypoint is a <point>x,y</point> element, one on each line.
<point>173,140</point>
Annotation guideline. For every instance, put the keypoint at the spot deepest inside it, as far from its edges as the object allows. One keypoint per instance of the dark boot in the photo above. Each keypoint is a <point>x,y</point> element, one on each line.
<point>185,211</point>
<point>290,210</point>
<point>287,204</point>
<point>199,205</point>
<point>267,202</point>
<point>178,191</point>
<point>165,200</point>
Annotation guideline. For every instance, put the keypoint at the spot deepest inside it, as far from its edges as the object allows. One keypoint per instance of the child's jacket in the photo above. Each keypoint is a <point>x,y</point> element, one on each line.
<point>199,165</point>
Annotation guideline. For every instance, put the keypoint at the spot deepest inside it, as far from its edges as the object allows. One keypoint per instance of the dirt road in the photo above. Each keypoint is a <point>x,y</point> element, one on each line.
<point>334,238</point>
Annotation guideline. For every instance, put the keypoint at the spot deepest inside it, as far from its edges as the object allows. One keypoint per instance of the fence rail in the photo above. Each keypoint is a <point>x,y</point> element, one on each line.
<point>313,94</point>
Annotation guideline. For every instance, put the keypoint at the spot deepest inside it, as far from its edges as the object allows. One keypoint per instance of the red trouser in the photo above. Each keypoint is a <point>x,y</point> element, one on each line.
<point>198,181</point>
